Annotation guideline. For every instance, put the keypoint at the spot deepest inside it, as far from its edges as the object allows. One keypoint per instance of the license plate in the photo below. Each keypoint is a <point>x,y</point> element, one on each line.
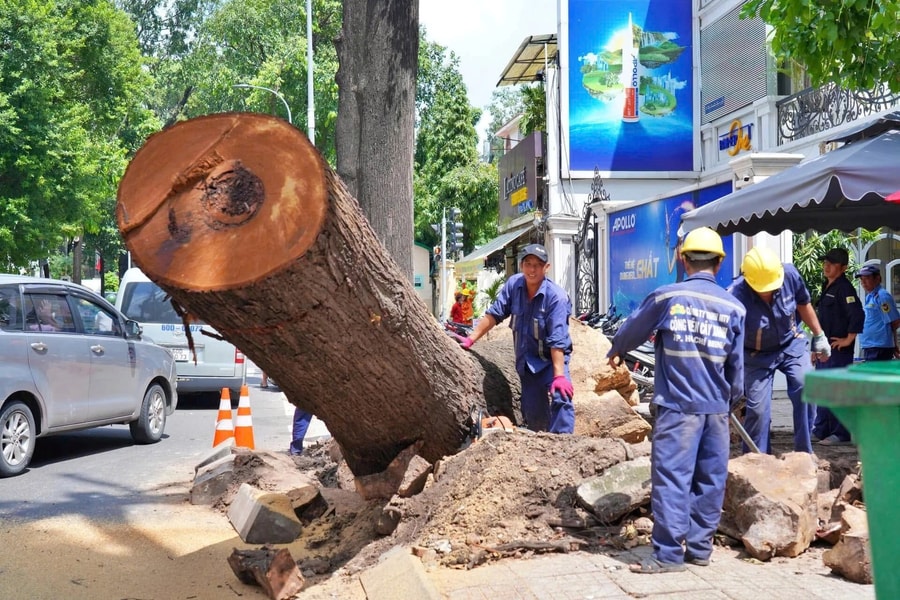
<point>181,354</point>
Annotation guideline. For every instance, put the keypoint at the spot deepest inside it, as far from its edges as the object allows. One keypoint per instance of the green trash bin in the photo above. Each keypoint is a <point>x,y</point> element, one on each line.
<point>866,399</point>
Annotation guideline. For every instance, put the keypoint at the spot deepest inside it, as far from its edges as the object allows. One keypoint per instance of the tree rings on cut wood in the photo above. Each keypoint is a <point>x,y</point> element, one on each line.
<point>222,200</point>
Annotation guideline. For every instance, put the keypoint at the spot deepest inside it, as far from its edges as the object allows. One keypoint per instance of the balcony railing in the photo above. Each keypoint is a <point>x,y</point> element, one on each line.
<point>819,109</point>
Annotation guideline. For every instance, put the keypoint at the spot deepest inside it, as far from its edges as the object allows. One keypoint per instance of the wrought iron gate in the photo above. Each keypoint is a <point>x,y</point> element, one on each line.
<point>586,268</point>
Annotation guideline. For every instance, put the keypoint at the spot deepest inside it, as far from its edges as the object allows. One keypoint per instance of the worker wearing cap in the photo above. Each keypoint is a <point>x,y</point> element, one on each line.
<point>878,339</point>
<point>699,375</point>
<point>774,294</point>
<point>539,317</point>
<point>841,316</point>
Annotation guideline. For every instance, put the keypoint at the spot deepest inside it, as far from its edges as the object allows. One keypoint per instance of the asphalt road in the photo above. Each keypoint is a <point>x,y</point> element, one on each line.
<point>102,473</point>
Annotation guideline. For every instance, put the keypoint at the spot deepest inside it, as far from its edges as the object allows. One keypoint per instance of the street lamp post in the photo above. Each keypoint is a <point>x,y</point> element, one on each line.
<point>280,97</point>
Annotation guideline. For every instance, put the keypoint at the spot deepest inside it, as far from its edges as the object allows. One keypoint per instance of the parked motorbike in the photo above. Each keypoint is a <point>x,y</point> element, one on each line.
<point>458,328</point>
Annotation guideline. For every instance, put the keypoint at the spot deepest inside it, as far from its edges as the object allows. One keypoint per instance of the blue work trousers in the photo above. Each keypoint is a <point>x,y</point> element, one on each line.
<point>301,425</point>
<point>542,412</point>
<point>689,466</point>
<point>758,380</point>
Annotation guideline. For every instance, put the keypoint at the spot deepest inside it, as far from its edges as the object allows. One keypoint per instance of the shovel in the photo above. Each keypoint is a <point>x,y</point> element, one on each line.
<point>743,432</point>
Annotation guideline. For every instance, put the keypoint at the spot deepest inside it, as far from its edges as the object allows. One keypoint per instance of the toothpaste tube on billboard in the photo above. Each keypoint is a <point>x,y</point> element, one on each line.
<point>630,79</point>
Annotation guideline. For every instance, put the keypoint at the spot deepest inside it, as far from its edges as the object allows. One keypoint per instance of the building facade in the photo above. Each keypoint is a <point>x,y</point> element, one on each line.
<point>656,107</point>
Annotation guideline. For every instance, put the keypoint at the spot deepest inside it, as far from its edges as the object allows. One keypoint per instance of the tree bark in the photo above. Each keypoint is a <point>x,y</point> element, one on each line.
<point>240,220</point>
<point>378,52</point>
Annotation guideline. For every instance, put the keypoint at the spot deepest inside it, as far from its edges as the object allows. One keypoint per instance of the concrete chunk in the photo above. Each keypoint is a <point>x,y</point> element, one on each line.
<point>398,576</point>
<point>263,517</point>
<point>212,480</point>
<point>219,451</point>
<point>618,490</point>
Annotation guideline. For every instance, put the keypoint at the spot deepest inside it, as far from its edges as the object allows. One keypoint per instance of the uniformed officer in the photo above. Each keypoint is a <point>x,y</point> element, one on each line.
<point>841,316</point>
<point>774,294</point>
<point>699,375</point>
<point>539,317</point>
<point>879,337</point>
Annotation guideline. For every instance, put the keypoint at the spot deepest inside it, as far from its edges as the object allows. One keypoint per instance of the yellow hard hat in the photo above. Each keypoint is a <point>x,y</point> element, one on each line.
<point>703,241</point>
<point>763,270</point>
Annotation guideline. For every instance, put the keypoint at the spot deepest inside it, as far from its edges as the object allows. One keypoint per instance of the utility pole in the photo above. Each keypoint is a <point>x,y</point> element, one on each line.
<point>310,103</point>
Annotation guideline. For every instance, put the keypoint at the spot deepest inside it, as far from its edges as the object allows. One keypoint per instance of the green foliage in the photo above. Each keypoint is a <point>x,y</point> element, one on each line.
<point>493,290</point>
<point>263,43</point>
<point>506,103</point>
<point>60,265</point>
<point>111,282</point>
<point>71,88</point>
<point>853,43</point>
<point>535,109</point>
<point>447,171</point>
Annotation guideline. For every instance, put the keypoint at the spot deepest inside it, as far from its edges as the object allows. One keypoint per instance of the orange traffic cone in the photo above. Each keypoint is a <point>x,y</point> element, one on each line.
<point>224,425</point>
<point>243,423</point>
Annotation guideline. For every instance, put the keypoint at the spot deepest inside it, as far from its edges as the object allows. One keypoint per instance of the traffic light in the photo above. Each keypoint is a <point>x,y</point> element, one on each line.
<point>454,233</point>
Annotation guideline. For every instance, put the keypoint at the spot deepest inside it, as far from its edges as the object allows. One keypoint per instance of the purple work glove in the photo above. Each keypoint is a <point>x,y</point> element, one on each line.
<point>465,342</point>
<point>562,385</point>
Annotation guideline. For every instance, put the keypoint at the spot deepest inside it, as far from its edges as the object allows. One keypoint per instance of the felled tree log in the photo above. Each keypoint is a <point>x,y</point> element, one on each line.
<point>241,221</point>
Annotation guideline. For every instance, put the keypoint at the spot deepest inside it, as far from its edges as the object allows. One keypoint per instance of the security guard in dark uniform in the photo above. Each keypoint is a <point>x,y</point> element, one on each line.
<point>841,317</point>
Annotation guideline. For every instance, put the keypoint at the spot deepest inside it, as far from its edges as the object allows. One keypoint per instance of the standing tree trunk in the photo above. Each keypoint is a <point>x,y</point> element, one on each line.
<point>378,53</point>
<point>240,220</point>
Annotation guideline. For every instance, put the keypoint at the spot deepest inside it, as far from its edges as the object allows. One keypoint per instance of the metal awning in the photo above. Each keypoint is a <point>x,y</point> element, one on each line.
<point>535,53</point>
<point>475,260</point>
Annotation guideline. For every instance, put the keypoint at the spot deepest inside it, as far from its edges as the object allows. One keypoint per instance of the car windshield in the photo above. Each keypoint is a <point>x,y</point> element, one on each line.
<point>146,302</point>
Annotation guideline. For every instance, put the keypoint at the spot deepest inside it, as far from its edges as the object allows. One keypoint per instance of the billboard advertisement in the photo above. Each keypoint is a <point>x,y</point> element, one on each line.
<point>644,247</point>
<point>630,85</point>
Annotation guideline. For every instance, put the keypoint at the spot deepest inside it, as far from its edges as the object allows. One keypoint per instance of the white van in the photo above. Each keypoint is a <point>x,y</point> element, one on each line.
<point>219,364</point>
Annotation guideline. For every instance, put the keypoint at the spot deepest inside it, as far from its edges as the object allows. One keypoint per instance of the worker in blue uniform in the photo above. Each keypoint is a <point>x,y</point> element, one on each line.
<point>774,295</point>
<point>841,316</point>
<point>699,377</point>
<point>539,317</point>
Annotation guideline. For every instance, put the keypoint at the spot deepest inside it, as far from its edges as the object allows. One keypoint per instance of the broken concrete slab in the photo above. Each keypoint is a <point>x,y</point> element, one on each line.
<point>770,503</point>
<point>212,480</point>
<point>219,451</point>
<point>619,490</point>
<point>263,517</point>
<point>399,576</point>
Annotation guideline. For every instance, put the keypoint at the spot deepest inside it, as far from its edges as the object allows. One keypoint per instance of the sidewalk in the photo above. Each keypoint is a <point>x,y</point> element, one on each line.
<point>584,575</point>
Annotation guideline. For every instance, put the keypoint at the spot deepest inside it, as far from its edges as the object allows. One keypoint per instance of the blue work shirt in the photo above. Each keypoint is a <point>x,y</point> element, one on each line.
<point>773,328</point>
<point>538,324</point>
<point>880,312</point>
<point>699,344</point>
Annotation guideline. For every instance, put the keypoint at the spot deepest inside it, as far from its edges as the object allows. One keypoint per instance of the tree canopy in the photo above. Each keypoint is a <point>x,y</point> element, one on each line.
<point>71,91</point>
<point>448,172</point>
<point>853,43</point>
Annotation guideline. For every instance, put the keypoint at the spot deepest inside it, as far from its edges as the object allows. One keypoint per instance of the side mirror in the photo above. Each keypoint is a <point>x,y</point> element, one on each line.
<point>133,329</point>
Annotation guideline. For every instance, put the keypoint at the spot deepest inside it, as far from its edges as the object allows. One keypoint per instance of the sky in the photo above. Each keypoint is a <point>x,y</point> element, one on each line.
<point>485,34</point>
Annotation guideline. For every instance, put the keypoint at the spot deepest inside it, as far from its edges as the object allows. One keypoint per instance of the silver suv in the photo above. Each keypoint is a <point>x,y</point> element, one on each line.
<point>69,360</point>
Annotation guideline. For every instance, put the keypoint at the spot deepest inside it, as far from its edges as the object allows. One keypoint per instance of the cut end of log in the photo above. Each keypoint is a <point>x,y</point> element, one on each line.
<point>219,201</point>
